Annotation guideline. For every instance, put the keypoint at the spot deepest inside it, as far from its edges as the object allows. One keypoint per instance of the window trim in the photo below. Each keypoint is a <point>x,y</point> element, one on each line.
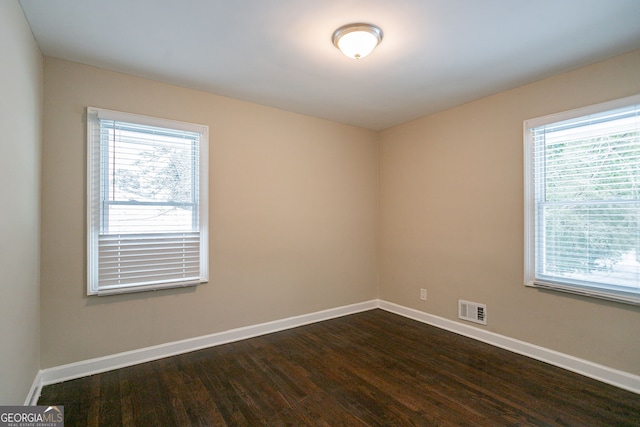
<point>530,205</point>
<point>93,115</point>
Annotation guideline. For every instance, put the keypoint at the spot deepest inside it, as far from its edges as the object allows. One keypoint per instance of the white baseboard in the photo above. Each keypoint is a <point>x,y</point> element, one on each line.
<point>34,391</point>
<point>605,374</point>
<point>120,360</point>
<point>84,368</point>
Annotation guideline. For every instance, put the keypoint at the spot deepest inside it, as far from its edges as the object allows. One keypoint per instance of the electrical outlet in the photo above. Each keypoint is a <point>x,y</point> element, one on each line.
<point>423,294</point>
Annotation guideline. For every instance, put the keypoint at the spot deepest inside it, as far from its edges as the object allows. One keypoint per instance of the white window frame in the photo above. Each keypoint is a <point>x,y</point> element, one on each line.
<point>94,204</point>
<point>532,278</point>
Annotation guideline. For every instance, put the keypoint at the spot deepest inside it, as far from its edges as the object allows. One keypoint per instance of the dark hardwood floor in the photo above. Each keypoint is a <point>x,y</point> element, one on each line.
<point>368,369</point>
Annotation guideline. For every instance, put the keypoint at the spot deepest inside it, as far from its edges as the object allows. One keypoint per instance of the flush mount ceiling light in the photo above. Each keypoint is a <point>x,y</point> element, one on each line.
<point>357,40</point>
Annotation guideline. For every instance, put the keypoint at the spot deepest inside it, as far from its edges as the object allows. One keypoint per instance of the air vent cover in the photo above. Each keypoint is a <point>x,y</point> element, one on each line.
<point>473,312</point>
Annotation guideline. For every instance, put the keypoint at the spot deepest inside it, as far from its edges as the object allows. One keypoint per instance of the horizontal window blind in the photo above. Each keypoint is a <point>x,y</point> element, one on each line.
<point>148,259</point>
<point>148,178</point>
<point>584,177</point>
<point>147,210</point>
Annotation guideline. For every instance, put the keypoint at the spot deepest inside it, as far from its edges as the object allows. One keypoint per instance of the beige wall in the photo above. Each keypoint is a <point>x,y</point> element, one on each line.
<point>293,217</point>
<point>20,127</point>
<point>298,205</point>
<point>451,218</point>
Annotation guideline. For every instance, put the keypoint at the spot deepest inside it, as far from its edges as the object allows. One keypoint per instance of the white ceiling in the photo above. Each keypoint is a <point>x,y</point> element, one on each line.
<point>435,53</point>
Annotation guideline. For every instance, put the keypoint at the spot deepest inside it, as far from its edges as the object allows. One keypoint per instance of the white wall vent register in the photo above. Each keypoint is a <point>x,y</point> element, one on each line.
<point>473,312</point>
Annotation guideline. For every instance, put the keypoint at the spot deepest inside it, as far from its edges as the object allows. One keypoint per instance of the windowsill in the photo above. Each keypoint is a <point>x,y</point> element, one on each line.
<point>583,291</point>
<point>144,288</point>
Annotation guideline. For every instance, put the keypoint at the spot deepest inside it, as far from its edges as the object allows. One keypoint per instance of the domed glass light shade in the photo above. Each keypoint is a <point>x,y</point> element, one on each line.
<point>357,40</point>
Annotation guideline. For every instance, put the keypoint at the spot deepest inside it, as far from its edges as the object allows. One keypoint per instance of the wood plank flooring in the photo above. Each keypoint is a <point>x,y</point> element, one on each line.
<point>368,369</point>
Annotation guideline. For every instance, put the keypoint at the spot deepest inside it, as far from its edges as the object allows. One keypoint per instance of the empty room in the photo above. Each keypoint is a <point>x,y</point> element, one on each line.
<point>288,212</point>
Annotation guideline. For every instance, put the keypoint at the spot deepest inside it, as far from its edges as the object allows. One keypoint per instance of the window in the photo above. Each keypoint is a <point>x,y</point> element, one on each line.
<point>583,201</point>
<point>146,203</point>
